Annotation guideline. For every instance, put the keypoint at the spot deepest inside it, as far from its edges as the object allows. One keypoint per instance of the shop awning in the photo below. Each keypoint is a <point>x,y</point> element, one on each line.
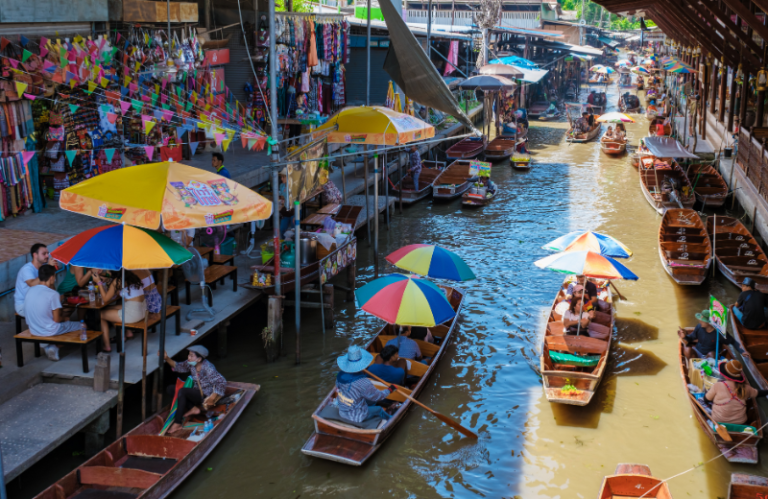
<point>532,75</point>
<point>608,41</point>
<point>584,49</point>
<point>530,32</point>
<point>667,147</point>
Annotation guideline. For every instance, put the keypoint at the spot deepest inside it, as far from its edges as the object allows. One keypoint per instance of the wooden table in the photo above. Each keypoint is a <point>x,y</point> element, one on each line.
<point>330,209</point>
<point>97,305</point>
<point>315,219</point>
<point>205,252</point>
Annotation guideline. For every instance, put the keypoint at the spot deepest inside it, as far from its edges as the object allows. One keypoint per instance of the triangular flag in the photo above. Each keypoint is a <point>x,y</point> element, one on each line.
<point>73,108</point>
<point>3,42</point>
<point>192,147</point>
<point>26,156</point>
<point>111,117</point>
<point>21,88</point>
<point>70,156</point>
<point>49,66</point>
<point>43,41</point>
<point>219,138</point>
<point>149,150</point>
<point>30,97</point>
<point>104,83</point>
<point>24,40</point>
<point>14,63</point>
<point>25,55</point>
<point>225,144</point>
<point>91,86</point>
<point>125,106</point>
<point>148,126</point>
<point>252,143</point>
<point>137,105</point>
<point>72,84</point>
<point>109,153</point>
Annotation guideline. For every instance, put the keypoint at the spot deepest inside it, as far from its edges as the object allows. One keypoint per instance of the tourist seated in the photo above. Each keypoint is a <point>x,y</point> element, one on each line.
<point>702,342</point>
<point>750,309</point>
<point>620,132</point>
<point>27,276</point>
<point>575,317</point>
<point>729,397</point>
<point>422,333</point>
<point>44,314</point>
<point>407,347</point>
<point>590,118</point>
<point>132,292</point>
<point>152,296</point>
<point>209,385</point>
<point>75,279</point>
<point>591,98</point>
<point>609,133</point>
<point>594,322</point>
<point>389,366</point>
<point>356,395</point>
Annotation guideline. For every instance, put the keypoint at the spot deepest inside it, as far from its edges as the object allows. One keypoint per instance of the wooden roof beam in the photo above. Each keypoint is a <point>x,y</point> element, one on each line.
<point>712,6</point>
<point>700,36</point>
<point>743,12</point>
<point>677,33</point>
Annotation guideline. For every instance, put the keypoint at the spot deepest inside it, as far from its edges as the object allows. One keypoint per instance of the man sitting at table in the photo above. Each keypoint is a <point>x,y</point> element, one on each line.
<point>27,276</point>
<point>44,314</point>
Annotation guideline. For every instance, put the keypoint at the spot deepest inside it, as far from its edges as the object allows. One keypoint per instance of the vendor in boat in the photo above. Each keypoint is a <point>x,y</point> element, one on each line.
<point>208,388</point>
<point>407,347</point>
<point>750,309</point>
<point>356,395</point>
<point>591,98</point>
<point>702,342</point>
<point>729,397</point>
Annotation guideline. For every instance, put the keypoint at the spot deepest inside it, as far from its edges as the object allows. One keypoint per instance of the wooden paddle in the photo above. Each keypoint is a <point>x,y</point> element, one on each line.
<point>445,419</point>
<point>621,296</point>
<point>719,428</point>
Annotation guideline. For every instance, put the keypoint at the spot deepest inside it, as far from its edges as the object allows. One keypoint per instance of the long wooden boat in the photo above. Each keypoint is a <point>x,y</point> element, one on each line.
<point>651,111</point>
<point>571,384</point>
<point>521,162</point>
<point>429,172</point>
<point>452,182</point>
<point>747,451</point>
<point>737,253</point>
<point>144,465</point>
<point>612,146</point>
<point>468,148</point>
<point>500,148</point>
<point>508,130</point>
<point>624,109</point>
<point>579,138</point>
<point>684,246</point>
<point>660,195</point>
<point>653,130</point>
<point>606,81</point>
<point>547,116</point>
<point>344,443</point>
<point>633,480</point>
<point>745,486</point>
<point>477,199</point>
<point>709,186</point>
<point>538,108</point>
<point>754,341</point>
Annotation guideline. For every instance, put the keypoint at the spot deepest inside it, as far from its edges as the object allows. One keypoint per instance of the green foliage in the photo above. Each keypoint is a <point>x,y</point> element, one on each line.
<point>594,14</point>
<point>298,5</point>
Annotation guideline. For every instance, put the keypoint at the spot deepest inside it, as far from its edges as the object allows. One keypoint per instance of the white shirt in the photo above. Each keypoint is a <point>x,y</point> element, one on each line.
<point>26,273</point>
<point>39,305</point>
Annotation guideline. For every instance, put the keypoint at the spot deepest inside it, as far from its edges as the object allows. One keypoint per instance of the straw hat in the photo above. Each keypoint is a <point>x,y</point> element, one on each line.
<point>355,360</point>
<point>732,370</point>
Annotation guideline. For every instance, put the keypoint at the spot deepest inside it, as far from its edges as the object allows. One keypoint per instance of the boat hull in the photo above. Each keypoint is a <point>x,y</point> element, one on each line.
<point>747,486</point>
<point>659,204</point>
<point>584,137</point>
<point>631,481</point>
<point>613,148</point>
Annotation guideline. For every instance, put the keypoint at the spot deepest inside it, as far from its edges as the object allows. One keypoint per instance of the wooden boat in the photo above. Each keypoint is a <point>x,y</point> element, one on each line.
<point>344,443</point>
<point>522,162</point>
<point>708,184</point>
<point>452,182</point>
<point>538,108</point>
<point>684,246</point>
<point>754,341</point>
<point>606,81</point>
<point>583,137</point>
<point>747,451</point>
<point>745,486</point>
<point>737,253</point>
<point>653,130</point>
<point>633,480</point>
<point>500,148</point>
<point>478,197</point>
<point>508,130</point>
<point>624,109</point>
<point>429,172</point>
<point>550,116</point>
<point>651,112</point>
<point>640,83</point>
<point>612,146</point>
<point>144,465</point>
<point>468,148</point>
<point>668,192</point>
<point>572,384</point>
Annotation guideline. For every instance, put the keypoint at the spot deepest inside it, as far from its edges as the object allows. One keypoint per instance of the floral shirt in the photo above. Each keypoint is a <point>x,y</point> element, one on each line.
<point>208,377</point>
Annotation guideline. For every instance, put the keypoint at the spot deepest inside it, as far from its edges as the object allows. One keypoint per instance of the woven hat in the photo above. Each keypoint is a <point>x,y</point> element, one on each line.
<point>355,360</point>
<point>703,316</point>
<point>732,370</point>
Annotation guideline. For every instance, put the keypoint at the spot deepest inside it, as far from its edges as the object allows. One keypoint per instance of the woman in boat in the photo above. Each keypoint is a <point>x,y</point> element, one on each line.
<point>621,132</point>
<point>608,134</point>
<point>356,394</point>
<point>208,388</point>
<point>571,317</point>
<point>729,397</point>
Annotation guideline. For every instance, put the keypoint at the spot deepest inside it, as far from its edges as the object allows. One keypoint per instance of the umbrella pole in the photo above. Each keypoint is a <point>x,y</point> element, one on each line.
<point>376,214</point>
<point>385,168</point>
<point>161,363</point>
<point>121,373</point>
<point>367,203</point>
<point>297,277</point>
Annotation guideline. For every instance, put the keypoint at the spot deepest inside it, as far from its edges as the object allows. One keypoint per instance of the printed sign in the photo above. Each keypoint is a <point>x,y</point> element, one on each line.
<point>480,168</point>
<point>111,213</point>
<point>203,193</point>
<point>718,315</point>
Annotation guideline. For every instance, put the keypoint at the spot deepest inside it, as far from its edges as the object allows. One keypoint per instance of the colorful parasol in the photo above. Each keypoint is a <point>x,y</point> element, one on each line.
<point>121,246</point>
<point>376,125</point>
<point>179,196</point>
<point>605,70</point>
<point>596,67</point>
<point>580,240</point>
<point>640,70</point>
<point>431,261</point>
<point>615,118</point>
<point>405,300</point>
<point>623,62</point>
<point>586,263</point>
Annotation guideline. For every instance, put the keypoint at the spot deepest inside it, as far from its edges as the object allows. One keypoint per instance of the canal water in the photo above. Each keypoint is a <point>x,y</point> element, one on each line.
<point>488,379</point>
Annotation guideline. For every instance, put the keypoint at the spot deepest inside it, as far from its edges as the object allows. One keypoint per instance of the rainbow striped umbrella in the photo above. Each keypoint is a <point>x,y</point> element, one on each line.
<point>405,300</point>
<point>586,263</point>
<point>580,240</point>
<point>640,70</point>
<point>431,261</point>
<point>121,246</point>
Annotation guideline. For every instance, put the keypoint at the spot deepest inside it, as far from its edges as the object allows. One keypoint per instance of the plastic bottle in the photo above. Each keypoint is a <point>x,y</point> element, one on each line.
<point>707,369</point>
<point>91,293</point>
<point>83,331</point>
<point>208,426</point>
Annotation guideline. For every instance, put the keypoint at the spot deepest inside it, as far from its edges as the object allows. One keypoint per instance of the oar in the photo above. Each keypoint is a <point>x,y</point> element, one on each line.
<point>621,296</point>
<point>720,429</point>
<point>445,419</point>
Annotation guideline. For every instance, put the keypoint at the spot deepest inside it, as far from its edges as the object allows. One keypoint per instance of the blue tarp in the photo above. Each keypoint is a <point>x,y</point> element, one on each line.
<point>514,60</point>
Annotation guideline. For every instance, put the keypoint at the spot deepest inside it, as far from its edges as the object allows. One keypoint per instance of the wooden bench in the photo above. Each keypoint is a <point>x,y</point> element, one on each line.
<point>213,274</point>
<point>153,320</point>
<point>72,338</point>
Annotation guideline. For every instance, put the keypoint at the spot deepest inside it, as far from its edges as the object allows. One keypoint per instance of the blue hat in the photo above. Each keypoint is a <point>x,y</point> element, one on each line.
<point>355,360</point>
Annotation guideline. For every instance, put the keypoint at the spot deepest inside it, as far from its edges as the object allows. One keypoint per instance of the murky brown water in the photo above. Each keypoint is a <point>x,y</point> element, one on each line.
<point>528,448</point>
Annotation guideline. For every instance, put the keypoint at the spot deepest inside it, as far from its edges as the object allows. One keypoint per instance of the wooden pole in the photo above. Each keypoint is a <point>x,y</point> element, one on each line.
<point>297,276</point>
<point>367,202</point>
<point>732,102</point>
<point>723,83</point>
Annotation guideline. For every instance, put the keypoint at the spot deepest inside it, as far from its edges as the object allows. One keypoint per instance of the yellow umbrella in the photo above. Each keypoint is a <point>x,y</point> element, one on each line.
<point>375,125</point>
<point>180,196</point>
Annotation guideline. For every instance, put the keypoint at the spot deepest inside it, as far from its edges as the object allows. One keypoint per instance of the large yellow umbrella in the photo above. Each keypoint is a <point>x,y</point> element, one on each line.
<point>181,196</point>
<point>376,125</point>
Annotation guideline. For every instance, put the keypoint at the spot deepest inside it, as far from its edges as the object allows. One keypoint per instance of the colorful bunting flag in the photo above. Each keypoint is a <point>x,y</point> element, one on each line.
<point>14,63</point>
<point>30,97</point>
<point>125,106</point>
<point>192,147</point>
<point>21,88</point>
<point>149,150</point>
<point>137,105</point>
<point>26,156</point>
<point>25,55</point>
<point>73,108</point>
<point>71,156</point>
<point>109,153</point>
<point>112,118</point>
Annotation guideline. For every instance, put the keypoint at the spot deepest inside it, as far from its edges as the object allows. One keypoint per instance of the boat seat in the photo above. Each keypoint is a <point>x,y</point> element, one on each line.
<point>127,478</point>
<point>103,494</point>
<point>556,328</point>
<point>158,465</point>
<point>331,413</point>
<point>576,344</point>
<point>157,446</point>
<point>427,349</point>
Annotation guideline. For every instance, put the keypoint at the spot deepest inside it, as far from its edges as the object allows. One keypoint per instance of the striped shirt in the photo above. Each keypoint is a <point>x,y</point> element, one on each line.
<point>407,348</point>
<point>354,391</point>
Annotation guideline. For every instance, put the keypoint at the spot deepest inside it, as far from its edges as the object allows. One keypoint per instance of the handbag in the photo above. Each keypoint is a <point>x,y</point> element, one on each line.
<point>55,133</point>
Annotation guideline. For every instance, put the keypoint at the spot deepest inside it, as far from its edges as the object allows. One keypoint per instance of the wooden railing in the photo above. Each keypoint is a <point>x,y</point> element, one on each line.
<point>752,157</point>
